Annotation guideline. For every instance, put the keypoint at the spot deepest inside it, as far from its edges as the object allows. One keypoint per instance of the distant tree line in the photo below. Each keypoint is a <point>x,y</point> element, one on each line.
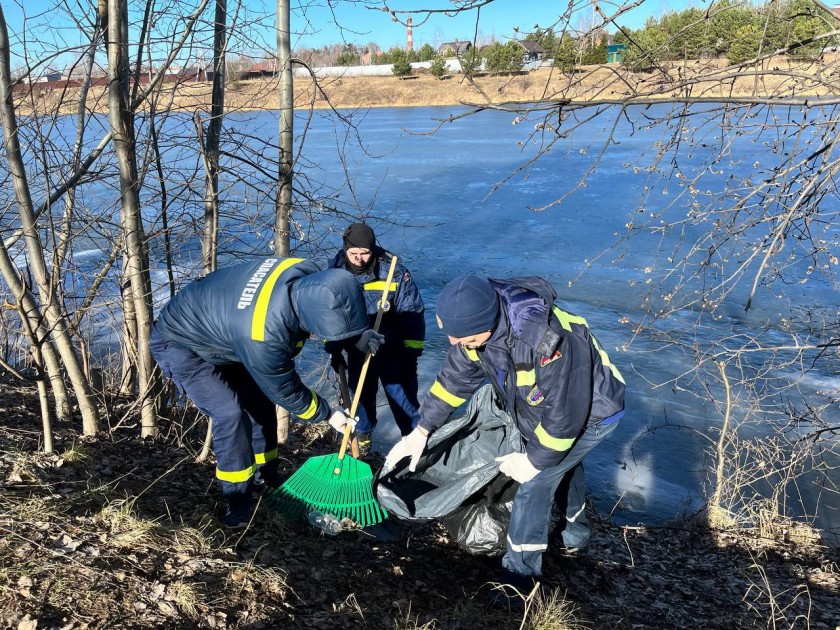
<point>731,29</point>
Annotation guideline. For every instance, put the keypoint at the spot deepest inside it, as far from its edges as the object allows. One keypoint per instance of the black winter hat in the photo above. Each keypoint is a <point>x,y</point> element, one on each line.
<point>359,235</point>
<point>468,305</point>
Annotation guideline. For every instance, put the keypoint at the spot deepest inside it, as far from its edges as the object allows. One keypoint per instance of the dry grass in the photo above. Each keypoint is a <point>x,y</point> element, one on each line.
<point>249,578</point>
<point>126,529</point>
<point>187,597</point>
<point>407,621</point>
<point>76,453</point>
<point>721,519</point>
<point>76,553</point>
<point>549,610</point>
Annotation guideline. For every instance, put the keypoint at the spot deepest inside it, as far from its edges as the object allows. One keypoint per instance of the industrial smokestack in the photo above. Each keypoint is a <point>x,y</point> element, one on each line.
<point>409,41</point>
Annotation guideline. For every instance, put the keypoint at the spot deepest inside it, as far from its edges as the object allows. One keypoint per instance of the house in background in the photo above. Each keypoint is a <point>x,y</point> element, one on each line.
<point>533,50</point>
<point>833,10</point>
<point>48,76</point>
<point>456,48</point>
<point>264,68</point>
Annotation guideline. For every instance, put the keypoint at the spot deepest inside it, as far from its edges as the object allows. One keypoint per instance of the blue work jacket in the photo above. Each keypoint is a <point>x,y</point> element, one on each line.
<point>404,323</point>
<point>548,370</point>
<point>259,314</point>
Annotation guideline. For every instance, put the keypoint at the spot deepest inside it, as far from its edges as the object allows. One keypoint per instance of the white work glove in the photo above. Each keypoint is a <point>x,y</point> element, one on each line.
<point>370,341</point>
<point>518,467</point>
<point>412,445</point>
<point>339,419</point>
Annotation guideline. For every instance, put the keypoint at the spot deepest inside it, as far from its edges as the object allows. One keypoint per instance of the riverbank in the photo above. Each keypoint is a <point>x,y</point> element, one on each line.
<point>123,532</point>
<point>695,79</point>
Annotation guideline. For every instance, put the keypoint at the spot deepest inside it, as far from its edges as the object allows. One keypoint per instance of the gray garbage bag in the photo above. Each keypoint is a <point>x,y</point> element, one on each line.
<point>457,480</point>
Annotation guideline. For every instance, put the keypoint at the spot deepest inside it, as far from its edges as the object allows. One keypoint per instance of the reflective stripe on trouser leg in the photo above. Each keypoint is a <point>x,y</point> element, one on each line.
<point>531,515</point>
<point>527,536</point>
<point>248,416</point>
<point>571,500</point>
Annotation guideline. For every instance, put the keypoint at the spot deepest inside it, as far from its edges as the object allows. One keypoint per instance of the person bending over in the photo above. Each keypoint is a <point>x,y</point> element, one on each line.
<point>228,341</point>
<point>552,377</point>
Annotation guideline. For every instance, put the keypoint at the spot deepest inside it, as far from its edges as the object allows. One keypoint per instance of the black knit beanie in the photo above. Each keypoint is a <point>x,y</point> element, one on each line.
<point>359,235</point>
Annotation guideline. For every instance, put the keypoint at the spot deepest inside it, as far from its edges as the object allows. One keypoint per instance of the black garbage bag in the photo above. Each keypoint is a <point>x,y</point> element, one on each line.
<point>457,480</point>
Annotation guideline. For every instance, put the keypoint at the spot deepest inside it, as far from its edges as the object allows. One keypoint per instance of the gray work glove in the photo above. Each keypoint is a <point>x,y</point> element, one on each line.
<point>370,341</point>
<point>412,445</point>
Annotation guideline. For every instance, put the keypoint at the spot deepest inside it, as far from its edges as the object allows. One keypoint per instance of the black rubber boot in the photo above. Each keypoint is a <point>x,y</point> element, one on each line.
<point>240,510</point>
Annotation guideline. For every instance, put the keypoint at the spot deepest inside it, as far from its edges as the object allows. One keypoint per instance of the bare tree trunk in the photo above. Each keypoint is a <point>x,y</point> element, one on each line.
<point>211,146</point>
<point>208,443</point>
<point>136,256</point>
<point>31,321</point>
<point>717,515</point>
<point>210,153</point>
<point>164,209</point>
<point>44,399</point>
<point>40,341</point>
<point>283,204</point>
<point>128,342</point>
<point>62,249</point>
<point>43,393</point>
<point>56,320</point>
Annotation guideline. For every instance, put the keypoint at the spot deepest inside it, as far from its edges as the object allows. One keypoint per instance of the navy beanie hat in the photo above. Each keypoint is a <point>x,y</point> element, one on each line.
<point>468,305</point>
<point>359,235</point>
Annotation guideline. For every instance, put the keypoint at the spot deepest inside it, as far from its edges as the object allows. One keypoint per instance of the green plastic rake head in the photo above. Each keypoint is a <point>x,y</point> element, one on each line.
<point>341,487</point>
<point>335,484</point>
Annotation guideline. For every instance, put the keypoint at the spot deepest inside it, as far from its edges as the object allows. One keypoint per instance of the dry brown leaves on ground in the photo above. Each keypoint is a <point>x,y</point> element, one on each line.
<point>123,533</point>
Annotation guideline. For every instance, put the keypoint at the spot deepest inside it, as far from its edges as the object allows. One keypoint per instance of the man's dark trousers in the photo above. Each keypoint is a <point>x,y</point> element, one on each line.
<point>531,515</point>
<point>244,421</point>
<point>397,371</point>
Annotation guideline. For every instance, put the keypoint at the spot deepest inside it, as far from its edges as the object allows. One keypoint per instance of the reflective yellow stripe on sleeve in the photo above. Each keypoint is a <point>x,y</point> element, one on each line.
<point>313,407</point>
<point>567,319</point>
<point>605,359</point>
<point>555,444</point>
<point>526,378</point>
<point>236,476</point>
<point>472,355</point>
<point>379,285</point>
<point>262,458</point>
<point>450,399</point>
<point>261,307</point>
<point>414,344</point>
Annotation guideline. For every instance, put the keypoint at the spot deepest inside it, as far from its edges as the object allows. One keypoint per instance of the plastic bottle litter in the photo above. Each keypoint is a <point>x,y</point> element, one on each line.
<point>327,523</point>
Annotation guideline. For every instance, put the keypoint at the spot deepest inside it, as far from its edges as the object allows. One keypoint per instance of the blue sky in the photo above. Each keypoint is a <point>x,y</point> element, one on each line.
<point>361,25</point>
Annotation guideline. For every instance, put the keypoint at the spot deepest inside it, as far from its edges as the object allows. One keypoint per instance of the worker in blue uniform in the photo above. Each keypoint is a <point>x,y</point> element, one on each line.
<point>404,327</point>
<point>556,382</point>
<point>228,341</point>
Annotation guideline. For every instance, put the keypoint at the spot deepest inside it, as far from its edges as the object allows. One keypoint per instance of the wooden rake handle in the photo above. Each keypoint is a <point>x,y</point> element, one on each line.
<point>379,313</point>
<point>344,390</point>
